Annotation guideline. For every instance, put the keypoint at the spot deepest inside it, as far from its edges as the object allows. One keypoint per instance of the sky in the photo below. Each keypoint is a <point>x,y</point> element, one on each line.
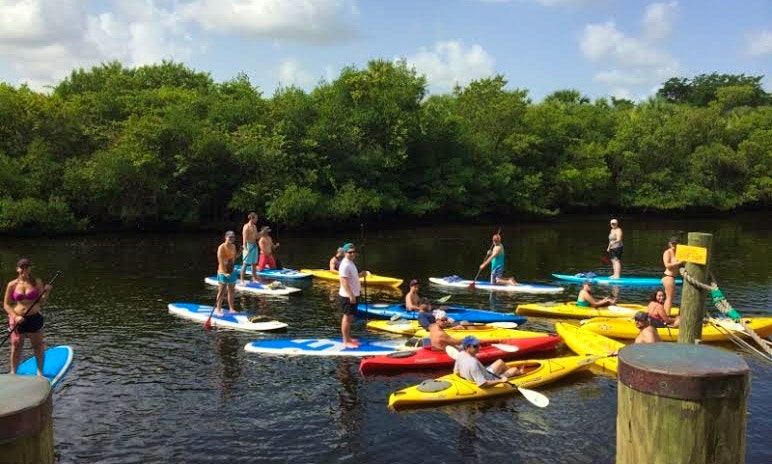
<point>621,48</point>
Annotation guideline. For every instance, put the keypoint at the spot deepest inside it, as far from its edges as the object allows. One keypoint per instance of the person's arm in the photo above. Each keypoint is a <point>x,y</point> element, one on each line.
<point>43,289</point>
<point>333,261</point>
<point>668,258</point>
<point>491,255</point>
<point>409,303</point>
<point>221,256</point>
<point>347,287</point>
<point>8,300</point>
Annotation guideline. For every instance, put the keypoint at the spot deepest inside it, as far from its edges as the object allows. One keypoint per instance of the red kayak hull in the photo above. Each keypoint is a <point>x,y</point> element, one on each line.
<point>426,358</point>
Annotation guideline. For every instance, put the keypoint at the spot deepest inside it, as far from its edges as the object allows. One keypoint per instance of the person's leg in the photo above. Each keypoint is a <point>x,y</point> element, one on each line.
<point>669,285</point>
<point>231,304</point>
<point>616,265</point>
<point>17,345</point>
<point>218,300</point>
<point>244,261</point>
<point>39,347</point>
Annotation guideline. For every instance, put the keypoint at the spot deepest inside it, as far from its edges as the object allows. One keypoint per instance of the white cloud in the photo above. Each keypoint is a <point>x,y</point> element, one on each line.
<point>451,63</point>
<point>634,61</point>
<point>760,43</point>
<point>292,74</point>
<point>315,21</point>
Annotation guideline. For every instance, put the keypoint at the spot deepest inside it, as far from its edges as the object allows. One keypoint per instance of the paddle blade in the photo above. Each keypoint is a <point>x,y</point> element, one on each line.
<point>451,351</point>
<point>604,259</point>
<point>444,299</point>
<point>503,325</point>
<point>472,286</point>
<point>536,398</point>
<point>395,317</point>
<point>506,347</point>
<point>208,323</point>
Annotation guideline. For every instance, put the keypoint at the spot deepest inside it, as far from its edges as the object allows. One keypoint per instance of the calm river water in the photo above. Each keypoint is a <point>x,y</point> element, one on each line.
<point>148,387</point>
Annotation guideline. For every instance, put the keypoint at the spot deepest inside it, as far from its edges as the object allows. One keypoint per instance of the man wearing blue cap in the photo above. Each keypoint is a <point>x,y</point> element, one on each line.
<point>470,368</point>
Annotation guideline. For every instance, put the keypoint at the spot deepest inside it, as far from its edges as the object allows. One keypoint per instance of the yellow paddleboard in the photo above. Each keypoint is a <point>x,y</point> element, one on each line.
<point>571,310</point>
<point>372,279</point>
<point>452,388</point>
<point>583,342</point>
<point>625,328</point>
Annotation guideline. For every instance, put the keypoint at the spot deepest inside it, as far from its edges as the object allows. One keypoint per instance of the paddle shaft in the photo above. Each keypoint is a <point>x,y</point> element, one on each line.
<point>364,264</point>
<point>37,300</point>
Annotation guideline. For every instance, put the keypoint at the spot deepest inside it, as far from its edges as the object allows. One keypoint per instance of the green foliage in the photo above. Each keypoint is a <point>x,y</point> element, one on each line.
<point>164,144</point>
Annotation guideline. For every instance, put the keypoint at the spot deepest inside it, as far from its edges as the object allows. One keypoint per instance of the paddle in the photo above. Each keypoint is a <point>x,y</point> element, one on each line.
<point>472,285</point>
<point>604,258</point>
<point>37,300</point>
<point>364,263</point>
<point>534,397</point>
<point>442,300</point>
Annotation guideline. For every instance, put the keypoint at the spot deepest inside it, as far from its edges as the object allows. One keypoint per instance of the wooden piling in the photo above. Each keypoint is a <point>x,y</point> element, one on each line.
<point>681,403</point>
<point>26,425</point>
<point>693,298</point>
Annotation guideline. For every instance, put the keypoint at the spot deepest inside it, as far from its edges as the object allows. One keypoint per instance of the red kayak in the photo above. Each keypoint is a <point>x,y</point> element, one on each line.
<point>427,358</point>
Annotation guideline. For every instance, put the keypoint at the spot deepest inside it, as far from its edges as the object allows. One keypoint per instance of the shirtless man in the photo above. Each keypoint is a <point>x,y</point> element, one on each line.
<point>226,278</point>
<point>647,334</point>
<point>267,247</point>
<point>412,300</point>
<point>437,335</point>
<point>249,246</point>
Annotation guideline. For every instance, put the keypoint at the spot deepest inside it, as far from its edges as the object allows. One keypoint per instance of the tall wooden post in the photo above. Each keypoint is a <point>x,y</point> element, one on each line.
<point>681,404</point>
<point>693,298</point>
<point>26,425</point>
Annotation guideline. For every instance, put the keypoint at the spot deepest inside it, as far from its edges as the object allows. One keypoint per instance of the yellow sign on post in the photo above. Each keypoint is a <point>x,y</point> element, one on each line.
<point>691,254</point>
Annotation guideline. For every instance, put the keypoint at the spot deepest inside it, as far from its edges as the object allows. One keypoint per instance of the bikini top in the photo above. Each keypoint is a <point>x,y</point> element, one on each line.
<point>30,295</point>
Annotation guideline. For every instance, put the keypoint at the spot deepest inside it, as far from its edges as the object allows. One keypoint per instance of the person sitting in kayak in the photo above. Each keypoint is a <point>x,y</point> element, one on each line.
<point>425,315</point>
<point>647,333</point>
<point>470,368</point>
<point>496,256</point>
<point>437,336</point>
<point>335,260</point>
<point>656,311</point>
<point>586,300</point>
<point>412,300</point>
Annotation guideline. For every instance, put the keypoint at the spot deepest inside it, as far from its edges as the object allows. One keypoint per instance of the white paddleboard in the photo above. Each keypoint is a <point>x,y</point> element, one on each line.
<point>273,288</point>
<point>238,321</point>
<point>457,282</point>
<point>325,347</point>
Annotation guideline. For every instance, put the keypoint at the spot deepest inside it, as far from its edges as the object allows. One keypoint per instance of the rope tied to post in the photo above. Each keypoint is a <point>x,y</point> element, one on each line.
<point>723,305</point>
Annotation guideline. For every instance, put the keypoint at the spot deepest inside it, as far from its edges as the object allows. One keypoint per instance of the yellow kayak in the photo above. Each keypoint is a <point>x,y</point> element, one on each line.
<point>582,341</point>
<point>711,332</point>
<point>483,332</point>
<point>372,279</point>
<point>570,309</point>
<point>451,388</point>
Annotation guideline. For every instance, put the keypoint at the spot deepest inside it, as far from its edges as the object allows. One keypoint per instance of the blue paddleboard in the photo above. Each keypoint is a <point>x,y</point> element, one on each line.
<point>55,365</point>
<point>325,347</point>
<point>458,313</point>
<point>598,280</point>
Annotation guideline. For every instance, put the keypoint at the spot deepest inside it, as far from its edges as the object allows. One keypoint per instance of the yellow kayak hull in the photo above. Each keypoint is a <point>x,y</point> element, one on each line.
<point>625,328</point>
<point>372,279</point>
<point>483,332</point>
<point>583,342</point>
<point>451,388</point>
<point>571,310</point>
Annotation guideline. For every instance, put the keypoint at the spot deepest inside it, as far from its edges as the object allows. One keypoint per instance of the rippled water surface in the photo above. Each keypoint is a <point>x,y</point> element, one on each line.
<point>149,387</point>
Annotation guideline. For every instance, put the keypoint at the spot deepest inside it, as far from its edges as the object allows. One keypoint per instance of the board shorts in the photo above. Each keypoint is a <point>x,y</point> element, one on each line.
<point>266,261</point>
<point>346,307</point>
<point>249,254</point>
<point>227,279</point>
<point>496,274</point>
<point>615,253</point>
<point>657,323</point>
<point>31,324</point>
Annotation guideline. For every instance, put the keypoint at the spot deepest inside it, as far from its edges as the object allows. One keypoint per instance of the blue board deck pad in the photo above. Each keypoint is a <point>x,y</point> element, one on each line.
<point>56,364</point>
<point>324,347</point>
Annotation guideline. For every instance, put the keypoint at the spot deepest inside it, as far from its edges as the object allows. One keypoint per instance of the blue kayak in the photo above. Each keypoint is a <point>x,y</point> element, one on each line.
<point>56,363</point>
<point>283,273</point>
<point>598,280</point>
<point>458,313</point>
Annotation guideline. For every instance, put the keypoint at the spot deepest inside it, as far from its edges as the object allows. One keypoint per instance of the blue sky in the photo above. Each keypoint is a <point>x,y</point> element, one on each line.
<point>625,48</point>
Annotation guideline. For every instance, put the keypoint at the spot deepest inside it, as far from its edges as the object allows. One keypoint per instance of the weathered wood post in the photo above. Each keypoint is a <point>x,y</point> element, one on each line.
<point>681,403</point>
<point>26,425</point>
<point>693,298</point>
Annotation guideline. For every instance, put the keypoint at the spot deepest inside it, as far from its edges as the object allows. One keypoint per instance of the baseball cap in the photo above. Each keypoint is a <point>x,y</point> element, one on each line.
<point>641,316</point>
<point>440,314</point>
<point>468,341</point>
<point>414,282</point>
<point>348,246</point>
<point>23,262</point>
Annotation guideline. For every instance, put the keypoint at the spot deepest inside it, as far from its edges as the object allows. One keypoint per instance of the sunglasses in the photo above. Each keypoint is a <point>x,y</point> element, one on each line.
<point>474,346</point>
<point>351,251</point>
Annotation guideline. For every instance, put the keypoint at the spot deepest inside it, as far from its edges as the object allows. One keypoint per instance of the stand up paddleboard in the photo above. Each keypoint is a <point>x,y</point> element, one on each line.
<point>598,280</point>
<point>273,288</point>
<point>458,313</point>
<point>56,363</point>
<point>458,282</point>
<point>283,273</point>
<point>238,321</point>
<point>325,347</point>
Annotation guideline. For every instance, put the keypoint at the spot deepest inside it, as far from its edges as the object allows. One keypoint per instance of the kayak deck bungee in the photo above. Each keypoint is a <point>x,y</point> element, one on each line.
<point>452,388</point>
<point>599,280</point>
<point>584,342</point>
<point>625,328</point>
<point>458,282</point>
<point>483,332</point>
<point>238,321</point>
<point>56,363</point>
<point>458,313</point>
<point>572,310</point>
<point>283,273</point>
<point>372,279</point>
<point>325,347</point>
<point>273,288</point>
<point>428,358</point>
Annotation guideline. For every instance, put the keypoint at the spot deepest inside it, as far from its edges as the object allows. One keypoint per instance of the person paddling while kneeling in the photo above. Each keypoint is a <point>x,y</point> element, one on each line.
<point>586,300</point>
<point>647,334</point>
<point>470,368</point>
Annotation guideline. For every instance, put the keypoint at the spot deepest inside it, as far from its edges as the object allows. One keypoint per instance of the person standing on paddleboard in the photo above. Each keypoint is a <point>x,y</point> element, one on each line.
<point>267,249</point>
<point>348,294</point>
<point>614,249</point>
<point>249,246</point>
<point>671,270</point>
<point>496,257</point>
<point>226,277</point>
<point>23,297</point>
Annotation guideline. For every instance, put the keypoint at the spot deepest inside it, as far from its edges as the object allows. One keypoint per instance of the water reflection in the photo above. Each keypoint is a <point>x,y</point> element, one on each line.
<point>228,348</point>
